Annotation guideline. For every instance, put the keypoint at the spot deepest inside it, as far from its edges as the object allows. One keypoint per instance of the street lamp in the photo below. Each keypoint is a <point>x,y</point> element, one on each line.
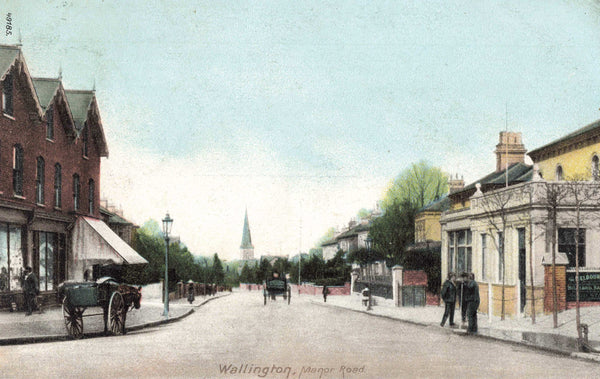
<point>167,224</point>
<point>369,244</point>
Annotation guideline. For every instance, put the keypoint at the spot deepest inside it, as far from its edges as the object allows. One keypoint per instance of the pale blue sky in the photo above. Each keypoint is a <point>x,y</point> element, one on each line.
<point>303,111</point>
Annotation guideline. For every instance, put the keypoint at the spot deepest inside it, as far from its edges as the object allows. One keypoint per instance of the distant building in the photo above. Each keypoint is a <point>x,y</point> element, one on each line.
<point>246,248</point>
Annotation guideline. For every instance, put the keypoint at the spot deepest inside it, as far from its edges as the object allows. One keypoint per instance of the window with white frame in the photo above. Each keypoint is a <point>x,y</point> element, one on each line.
<point>459,246</point>
<point>483,256</point>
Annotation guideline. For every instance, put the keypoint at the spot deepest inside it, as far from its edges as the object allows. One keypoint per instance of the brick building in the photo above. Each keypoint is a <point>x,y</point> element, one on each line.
<point>51,144</point>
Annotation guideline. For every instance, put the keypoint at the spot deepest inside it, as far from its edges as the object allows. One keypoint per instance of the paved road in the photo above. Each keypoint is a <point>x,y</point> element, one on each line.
<point>237,333</point>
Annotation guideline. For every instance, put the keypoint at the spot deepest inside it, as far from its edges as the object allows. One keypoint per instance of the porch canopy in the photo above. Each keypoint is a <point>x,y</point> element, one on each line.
<point>95,243</point>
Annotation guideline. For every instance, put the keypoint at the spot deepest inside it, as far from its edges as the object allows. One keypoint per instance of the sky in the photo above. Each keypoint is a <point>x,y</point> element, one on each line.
<point>304,112</point>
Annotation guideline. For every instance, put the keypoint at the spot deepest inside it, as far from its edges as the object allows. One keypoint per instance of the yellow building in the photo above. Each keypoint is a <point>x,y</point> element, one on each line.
<point>575,156</point>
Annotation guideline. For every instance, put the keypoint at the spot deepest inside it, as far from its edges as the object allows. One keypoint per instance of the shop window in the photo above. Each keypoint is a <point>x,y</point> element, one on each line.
<point>566,244</point>
<point>47,254</point>
<point>11,258</point>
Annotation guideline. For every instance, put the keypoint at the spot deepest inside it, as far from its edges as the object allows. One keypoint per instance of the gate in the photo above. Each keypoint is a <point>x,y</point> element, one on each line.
<point>414,296</point>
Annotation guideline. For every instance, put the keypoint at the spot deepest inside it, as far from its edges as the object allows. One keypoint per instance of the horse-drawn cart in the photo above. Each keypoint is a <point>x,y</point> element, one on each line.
<point>115,300</point>
<point>276,287</point>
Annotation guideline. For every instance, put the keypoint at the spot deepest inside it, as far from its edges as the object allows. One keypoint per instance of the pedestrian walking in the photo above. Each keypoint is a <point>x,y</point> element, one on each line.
<point>325,293</point>
<point>191,294</point>
<point>30,290</point>
<point>472,304</point>
<point>449,296</point>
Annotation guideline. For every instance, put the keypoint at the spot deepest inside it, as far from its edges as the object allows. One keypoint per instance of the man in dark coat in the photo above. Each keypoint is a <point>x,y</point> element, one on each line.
<point>30,290</point>
<point>325,293</point>
<point>449,296</point>
<point>462,295</point>
<point>472,300</point>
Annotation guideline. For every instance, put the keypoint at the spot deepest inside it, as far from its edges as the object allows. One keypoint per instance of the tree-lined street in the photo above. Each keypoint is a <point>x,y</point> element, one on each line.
<point>311,340</point>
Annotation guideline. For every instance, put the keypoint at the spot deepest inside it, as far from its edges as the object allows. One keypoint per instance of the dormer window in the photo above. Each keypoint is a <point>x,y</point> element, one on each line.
<point>50,123</point>
<point>559,173</point>
<point>85,140</point>
<point>7,95</point>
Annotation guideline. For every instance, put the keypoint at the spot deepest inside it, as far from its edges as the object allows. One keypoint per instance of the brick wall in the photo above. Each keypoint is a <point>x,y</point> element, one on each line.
<point>28,130</point>
<point>561,288</point>
<point>414,278</point>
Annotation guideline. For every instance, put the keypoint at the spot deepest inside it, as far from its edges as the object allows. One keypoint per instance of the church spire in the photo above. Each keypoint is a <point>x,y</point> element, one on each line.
<point>247,250</point>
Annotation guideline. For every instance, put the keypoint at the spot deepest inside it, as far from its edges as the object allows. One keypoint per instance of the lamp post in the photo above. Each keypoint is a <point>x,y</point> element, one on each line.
<point>167,224</point>
<point>369,244</point>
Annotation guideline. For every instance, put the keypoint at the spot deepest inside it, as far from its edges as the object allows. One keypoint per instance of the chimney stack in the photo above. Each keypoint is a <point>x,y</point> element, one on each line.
<point>510,150</point>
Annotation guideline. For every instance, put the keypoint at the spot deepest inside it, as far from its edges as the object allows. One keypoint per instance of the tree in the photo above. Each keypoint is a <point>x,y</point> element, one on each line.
<point>393,232</point>
<point>218,273</point>
<point>495,205</point>
<point>582,194</point>
<point>419,184</point>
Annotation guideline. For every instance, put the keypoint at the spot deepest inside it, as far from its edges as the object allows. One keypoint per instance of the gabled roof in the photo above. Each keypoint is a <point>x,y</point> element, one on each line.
<point>8,56</point>
<point>590,129</point>
<point>49,90</point>
<point>46,89</point>
<point>517,173</point>
<point>354,231</point>
<point>11,55</point>
<point>82,103</point>
<point>114,218</point>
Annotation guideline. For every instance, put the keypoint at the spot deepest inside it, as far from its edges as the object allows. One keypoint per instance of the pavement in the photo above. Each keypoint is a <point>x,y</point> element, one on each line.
<point>518,330</point>
<point>48,325</point>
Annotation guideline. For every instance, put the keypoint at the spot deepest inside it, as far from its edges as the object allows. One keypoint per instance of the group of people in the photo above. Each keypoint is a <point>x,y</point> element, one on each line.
<point>467,291</point>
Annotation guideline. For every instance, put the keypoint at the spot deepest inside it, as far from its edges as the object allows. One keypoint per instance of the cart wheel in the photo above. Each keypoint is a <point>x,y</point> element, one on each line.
<point>116,314</point>
<point>73,319</point>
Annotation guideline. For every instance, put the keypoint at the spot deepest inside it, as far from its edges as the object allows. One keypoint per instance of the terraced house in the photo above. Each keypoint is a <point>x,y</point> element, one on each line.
<point>51,145</point>
<point>521,223</point>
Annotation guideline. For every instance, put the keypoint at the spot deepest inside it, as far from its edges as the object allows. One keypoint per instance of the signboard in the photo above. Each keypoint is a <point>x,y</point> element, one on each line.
<point>589,286</point>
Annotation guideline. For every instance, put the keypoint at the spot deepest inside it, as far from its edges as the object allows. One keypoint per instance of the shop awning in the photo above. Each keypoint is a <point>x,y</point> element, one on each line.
<point>94,242</point>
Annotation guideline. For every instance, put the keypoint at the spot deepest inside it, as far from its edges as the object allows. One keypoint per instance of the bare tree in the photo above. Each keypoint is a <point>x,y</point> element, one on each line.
<point>556,194</point>
<point>496,207</point>
<point>583,194</point>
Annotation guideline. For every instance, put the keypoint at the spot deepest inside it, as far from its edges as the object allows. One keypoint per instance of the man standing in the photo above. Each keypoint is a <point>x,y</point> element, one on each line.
<point>449,296</point>
<point>325,293</point>
<point>472,304</point>
<point>30,290</point>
